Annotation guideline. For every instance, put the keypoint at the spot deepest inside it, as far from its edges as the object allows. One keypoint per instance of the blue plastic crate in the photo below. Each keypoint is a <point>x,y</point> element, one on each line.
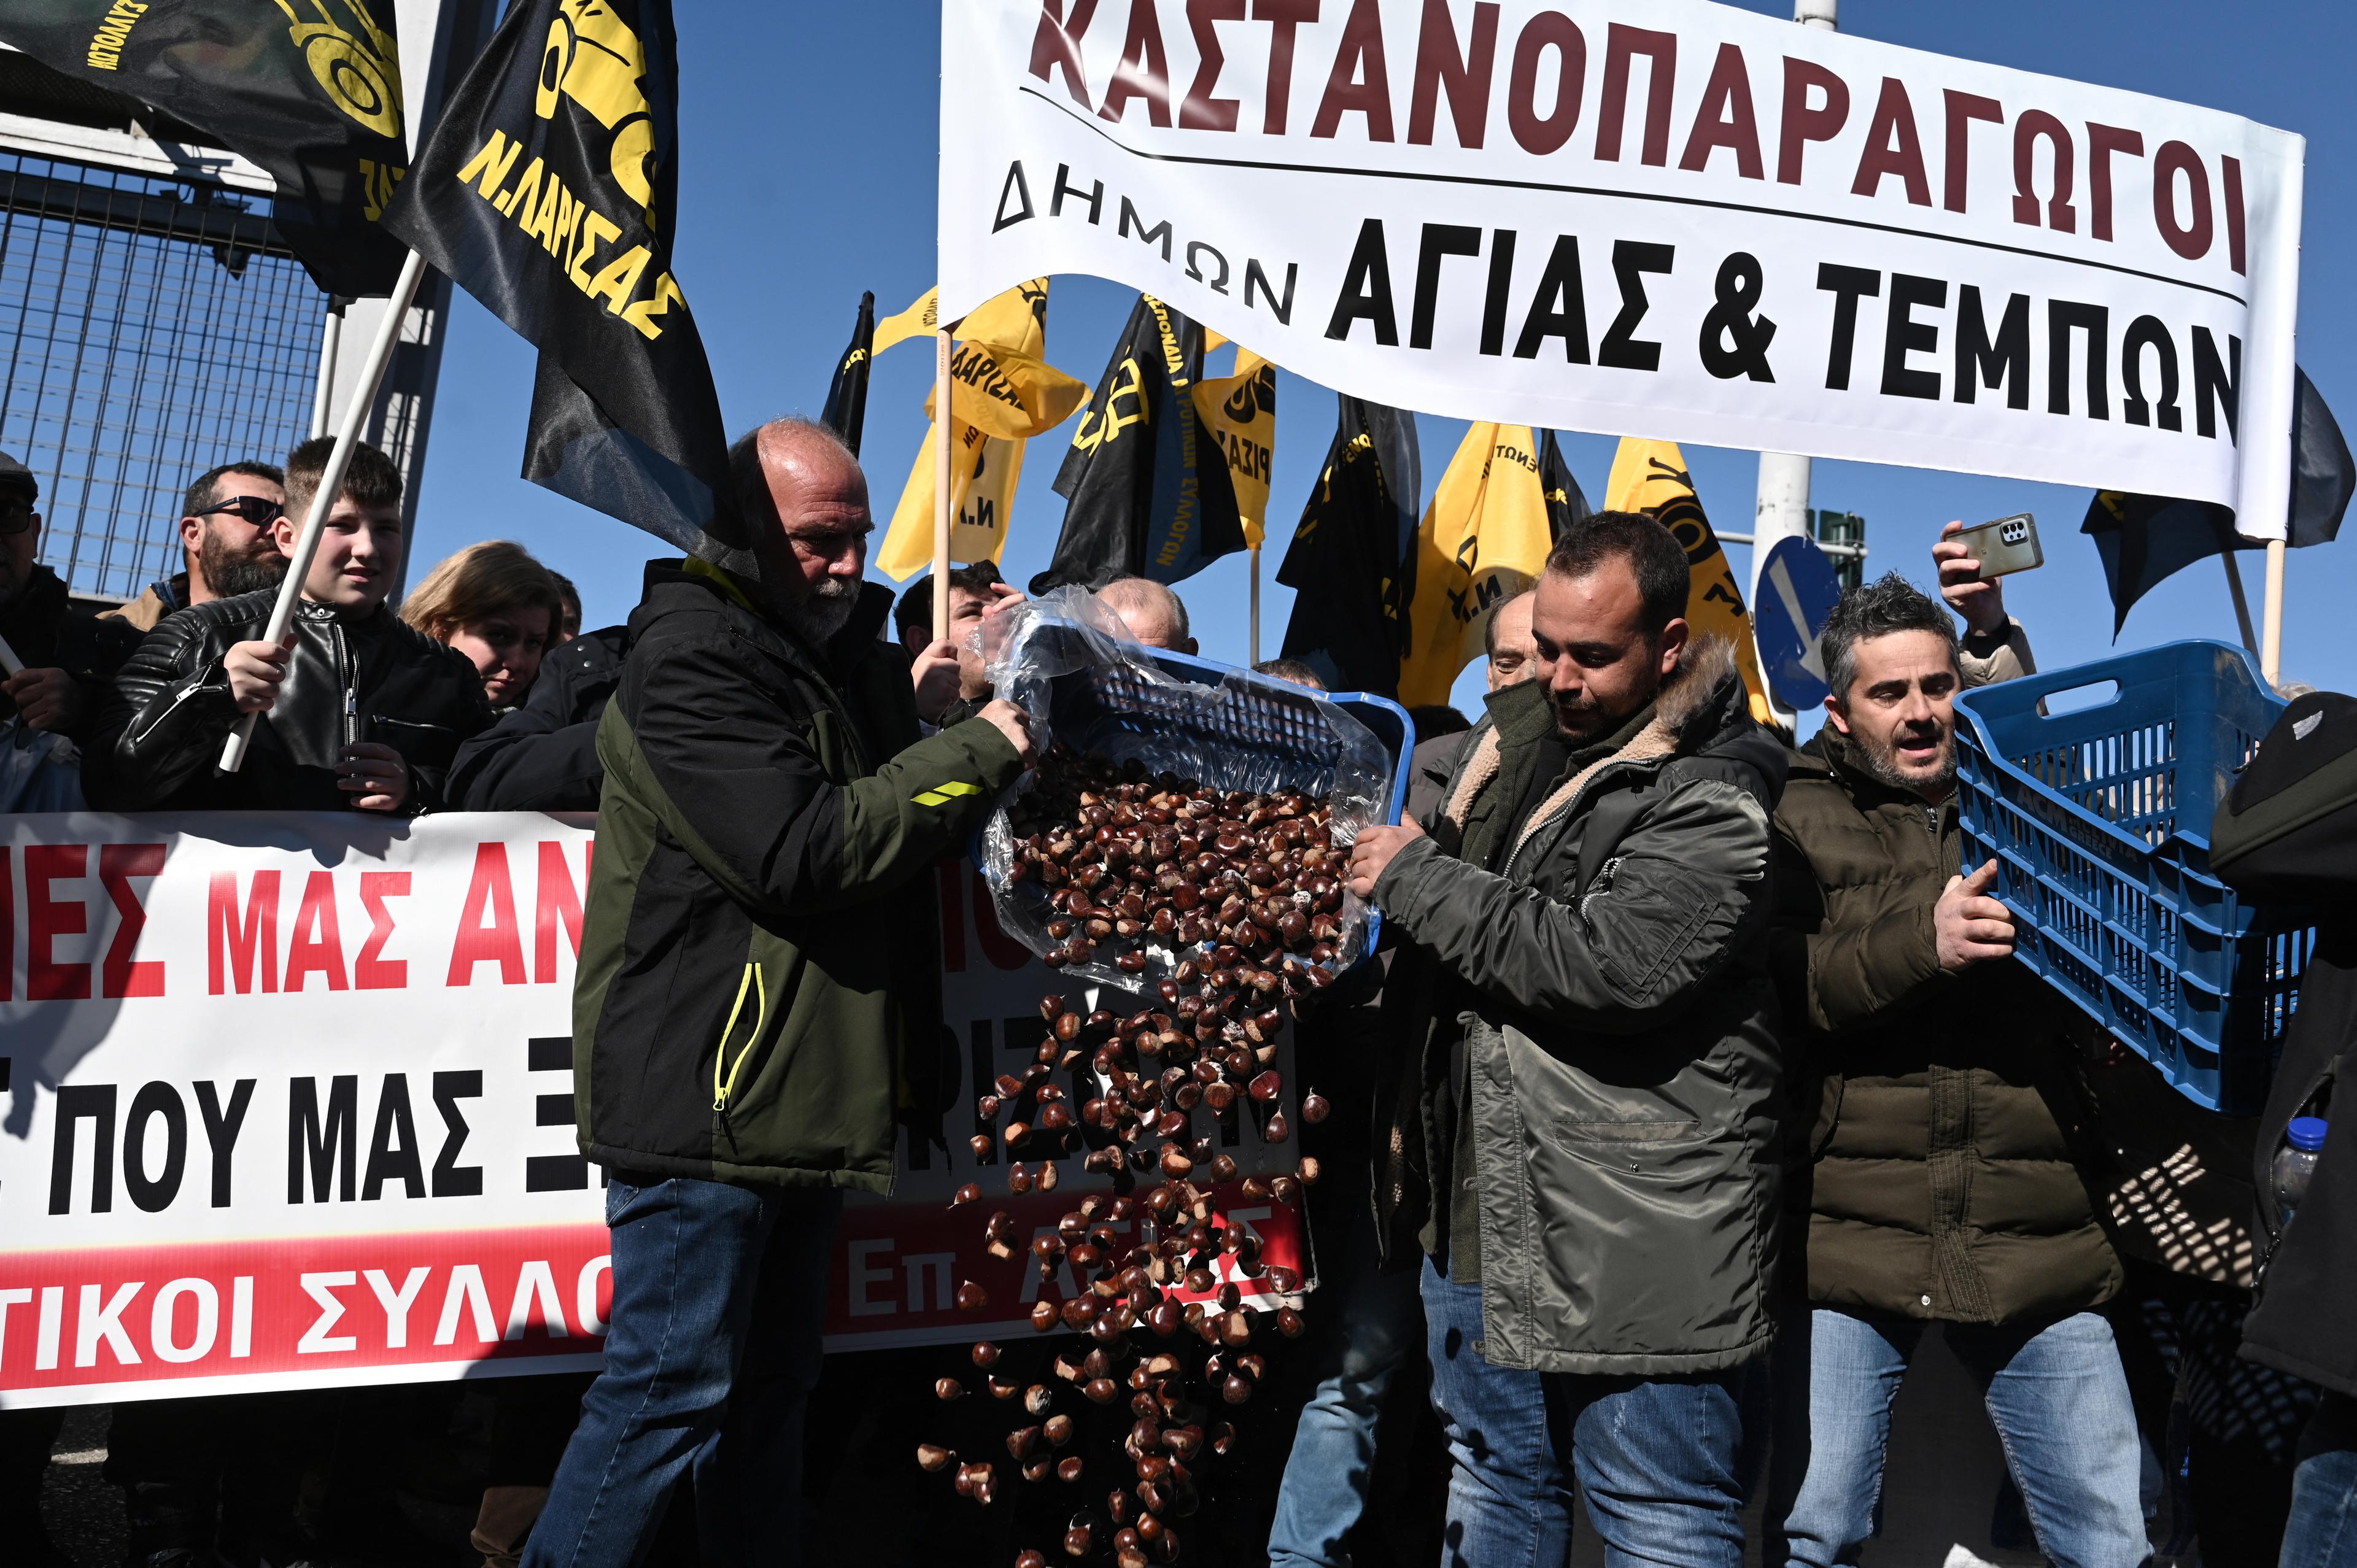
<point>2099,819</point>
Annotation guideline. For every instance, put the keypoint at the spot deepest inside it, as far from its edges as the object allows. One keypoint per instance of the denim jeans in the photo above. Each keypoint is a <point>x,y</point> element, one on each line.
<point>1658,1459</point>
<point>1325,1485</point>
<point>2323,1531</point>
<point>2056,1393</point>
<point>714,1347</point>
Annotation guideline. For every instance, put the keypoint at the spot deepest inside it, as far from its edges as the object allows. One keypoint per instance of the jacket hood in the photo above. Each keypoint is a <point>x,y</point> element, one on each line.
<point>672,586</point>
<point>1702,712</point>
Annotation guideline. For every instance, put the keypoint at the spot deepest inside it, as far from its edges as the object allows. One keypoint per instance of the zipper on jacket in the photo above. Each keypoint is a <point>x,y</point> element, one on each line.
<point>722,1087</point>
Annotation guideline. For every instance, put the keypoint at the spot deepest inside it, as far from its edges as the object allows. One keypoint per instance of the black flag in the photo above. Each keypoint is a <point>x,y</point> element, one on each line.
<point>546,191</point>
<point>312,94</point>
<point>2144,539</point>
<point>1564,503</point>
<point>1352,561</point>
<point>847,395</point>
<point>1148,487</point>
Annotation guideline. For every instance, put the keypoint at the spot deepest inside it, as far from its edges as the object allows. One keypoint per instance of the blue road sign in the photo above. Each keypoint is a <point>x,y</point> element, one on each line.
<point>1797,593</point>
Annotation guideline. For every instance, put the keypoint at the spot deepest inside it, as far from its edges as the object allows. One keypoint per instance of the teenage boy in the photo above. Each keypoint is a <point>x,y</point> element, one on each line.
<point>357,710</point>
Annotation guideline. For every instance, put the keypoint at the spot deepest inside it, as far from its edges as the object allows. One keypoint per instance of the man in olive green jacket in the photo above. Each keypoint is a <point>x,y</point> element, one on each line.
<point>1942,1172</point>
<point>756,968</point>
<point>1581,1016</point>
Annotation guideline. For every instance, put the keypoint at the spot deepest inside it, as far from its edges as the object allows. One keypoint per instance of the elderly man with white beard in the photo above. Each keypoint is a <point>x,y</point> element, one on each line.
<point>758,945</point>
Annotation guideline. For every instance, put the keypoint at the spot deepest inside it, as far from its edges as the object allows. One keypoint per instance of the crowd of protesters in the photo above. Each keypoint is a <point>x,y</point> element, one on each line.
<point>1693,1087</point>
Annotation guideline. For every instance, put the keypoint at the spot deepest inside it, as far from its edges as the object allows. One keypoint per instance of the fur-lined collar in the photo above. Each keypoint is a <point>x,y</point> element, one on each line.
<point>1707,668</point>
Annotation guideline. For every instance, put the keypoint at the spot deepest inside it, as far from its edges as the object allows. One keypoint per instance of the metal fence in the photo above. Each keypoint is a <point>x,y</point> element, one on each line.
<point>149,329</point>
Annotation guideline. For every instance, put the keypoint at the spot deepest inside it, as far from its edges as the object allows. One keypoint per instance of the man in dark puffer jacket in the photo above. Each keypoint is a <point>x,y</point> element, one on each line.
<point>1946,1184</point>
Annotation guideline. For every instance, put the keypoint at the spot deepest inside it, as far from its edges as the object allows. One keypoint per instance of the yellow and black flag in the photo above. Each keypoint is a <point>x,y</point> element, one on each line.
<point>1239,410</point>
<point>847,395</point>
<point>1148,485</point>
<point>1497,511</point>
<point>547,192</point>
<point>310,89</point>
<point>1651,477</point>
<point>1003,391</point>
<point>1352,561</point>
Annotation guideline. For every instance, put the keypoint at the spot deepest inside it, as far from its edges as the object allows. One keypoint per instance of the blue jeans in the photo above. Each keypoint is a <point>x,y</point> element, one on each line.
<point>2057,1395</point>
<point>1658,1459</point>
<point>2323,1529</point>
<point>1325,1485</point>
<point>714,1348</point>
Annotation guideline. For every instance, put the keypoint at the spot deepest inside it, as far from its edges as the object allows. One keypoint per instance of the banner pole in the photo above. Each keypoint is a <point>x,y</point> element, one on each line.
<point>10,663</point>
<point>1253,642</point>
<point>2271,631</point>
<point>331,339</point>
<point>2242,603</point>
<point>941,484</point>
<point>331,481</point>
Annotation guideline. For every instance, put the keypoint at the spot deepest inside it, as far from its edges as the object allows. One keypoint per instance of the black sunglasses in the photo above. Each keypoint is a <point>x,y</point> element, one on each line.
<point>254,509</point>
<point>15,516</point>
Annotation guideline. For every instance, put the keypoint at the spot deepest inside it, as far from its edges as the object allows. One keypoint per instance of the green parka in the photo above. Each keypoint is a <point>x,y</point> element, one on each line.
<point>1941,1176</point>
<point>1621,1039</point>
<point>760,952</point>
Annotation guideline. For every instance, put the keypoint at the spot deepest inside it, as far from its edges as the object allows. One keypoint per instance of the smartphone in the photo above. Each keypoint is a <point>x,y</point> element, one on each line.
<point>2008,544</point>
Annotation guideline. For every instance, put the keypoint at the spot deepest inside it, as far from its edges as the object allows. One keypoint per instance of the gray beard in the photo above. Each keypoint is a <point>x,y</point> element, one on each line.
<point>824,611</point>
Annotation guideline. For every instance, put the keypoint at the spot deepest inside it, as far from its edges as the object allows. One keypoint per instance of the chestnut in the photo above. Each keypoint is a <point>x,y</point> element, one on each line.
<point>933,1457</point>
<point>971,1297</point>
<point>1044,1315</point>
<point>948,1389</point>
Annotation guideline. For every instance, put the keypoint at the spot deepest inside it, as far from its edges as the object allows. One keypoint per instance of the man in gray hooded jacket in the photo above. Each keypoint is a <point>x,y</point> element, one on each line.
<point>1584,1030</point>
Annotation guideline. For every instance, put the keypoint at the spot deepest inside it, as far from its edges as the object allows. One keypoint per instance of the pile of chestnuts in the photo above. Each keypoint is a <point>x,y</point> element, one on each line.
<point>1237,898</point>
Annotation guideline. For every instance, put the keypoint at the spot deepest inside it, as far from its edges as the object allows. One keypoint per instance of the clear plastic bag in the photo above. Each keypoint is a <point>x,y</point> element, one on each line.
<point>1069,663</point>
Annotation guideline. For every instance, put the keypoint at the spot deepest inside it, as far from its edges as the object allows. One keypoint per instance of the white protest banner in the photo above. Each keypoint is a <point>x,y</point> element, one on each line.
<point>1680,220</point>
<point>289,1104</point>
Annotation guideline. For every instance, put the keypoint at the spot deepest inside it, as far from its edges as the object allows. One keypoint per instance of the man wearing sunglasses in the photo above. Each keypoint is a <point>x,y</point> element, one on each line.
<point>227,521</point>
<point>67,657</point>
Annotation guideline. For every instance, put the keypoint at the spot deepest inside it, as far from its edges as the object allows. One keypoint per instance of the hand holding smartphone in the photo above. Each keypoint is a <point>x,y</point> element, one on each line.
<point>2006,545</point>
<point>1969,561</point>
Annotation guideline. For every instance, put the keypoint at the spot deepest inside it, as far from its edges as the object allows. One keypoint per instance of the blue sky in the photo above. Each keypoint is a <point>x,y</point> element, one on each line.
<point>807,136</point>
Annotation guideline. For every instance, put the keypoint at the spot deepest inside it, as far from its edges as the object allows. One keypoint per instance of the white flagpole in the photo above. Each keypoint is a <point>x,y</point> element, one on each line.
<point>331,338</point>
<point>10,663</point>
<point>2271,629</point>
<point>331,481</point>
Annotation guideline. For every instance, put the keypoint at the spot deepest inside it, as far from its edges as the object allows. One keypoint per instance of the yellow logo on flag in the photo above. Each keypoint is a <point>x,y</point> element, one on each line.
<point>1239,410</point>
<point>1651,477</point>
<point>360,68</point>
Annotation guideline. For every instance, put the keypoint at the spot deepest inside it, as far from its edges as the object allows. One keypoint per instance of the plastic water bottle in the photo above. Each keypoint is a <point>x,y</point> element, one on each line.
<point>2296,1163</point>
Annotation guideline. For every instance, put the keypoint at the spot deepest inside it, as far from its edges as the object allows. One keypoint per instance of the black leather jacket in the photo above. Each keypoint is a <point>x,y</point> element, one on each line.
<point>159,742</point>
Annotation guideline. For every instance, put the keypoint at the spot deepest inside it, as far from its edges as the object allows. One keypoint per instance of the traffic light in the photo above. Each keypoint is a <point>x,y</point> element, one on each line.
<point>1842,536</point>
